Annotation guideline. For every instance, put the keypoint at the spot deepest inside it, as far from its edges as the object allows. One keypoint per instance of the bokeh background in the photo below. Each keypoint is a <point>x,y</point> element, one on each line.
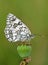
<point>34,13</point>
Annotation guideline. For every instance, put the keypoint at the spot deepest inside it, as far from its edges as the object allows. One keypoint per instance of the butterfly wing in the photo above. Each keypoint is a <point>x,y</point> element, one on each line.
<point>16,30</point>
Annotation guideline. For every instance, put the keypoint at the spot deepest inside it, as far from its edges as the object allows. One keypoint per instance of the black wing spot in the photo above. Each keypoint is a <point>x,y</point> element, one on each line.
<point>15,25</point>
<point>13,18</point>
<point>19,23</point>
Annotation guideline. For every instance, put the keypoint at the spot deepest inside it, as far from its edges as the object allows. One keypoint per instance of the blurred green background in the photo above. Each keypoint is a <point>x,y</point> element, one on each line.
<point>34,13</point>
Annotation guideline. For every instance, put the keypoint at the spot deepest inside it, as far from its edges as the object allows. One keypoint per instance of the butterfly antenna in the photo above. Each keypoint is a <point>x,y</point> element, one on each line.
<point>37,35</point>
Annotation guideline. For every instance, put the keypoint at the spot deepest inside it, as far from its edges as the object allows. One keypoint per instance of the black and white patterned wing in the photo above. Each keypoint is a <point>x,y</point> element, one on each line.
<point>16,30</point>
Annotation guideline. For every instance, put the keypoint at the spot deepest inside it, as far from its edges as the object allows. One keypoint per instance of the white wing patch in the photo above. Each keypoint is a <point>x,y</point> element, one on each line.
<point>16,30</point>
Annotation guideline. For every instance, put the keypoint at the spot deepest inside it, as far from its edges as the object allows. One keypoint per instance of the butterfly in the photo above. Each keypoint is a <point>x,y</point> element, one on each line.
<point>16,30</point>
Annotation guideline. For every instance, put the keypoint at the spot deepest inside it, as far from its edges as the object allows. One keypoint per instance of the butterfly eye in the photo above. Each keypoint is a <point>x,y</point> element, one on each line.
<point>15,25</point>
